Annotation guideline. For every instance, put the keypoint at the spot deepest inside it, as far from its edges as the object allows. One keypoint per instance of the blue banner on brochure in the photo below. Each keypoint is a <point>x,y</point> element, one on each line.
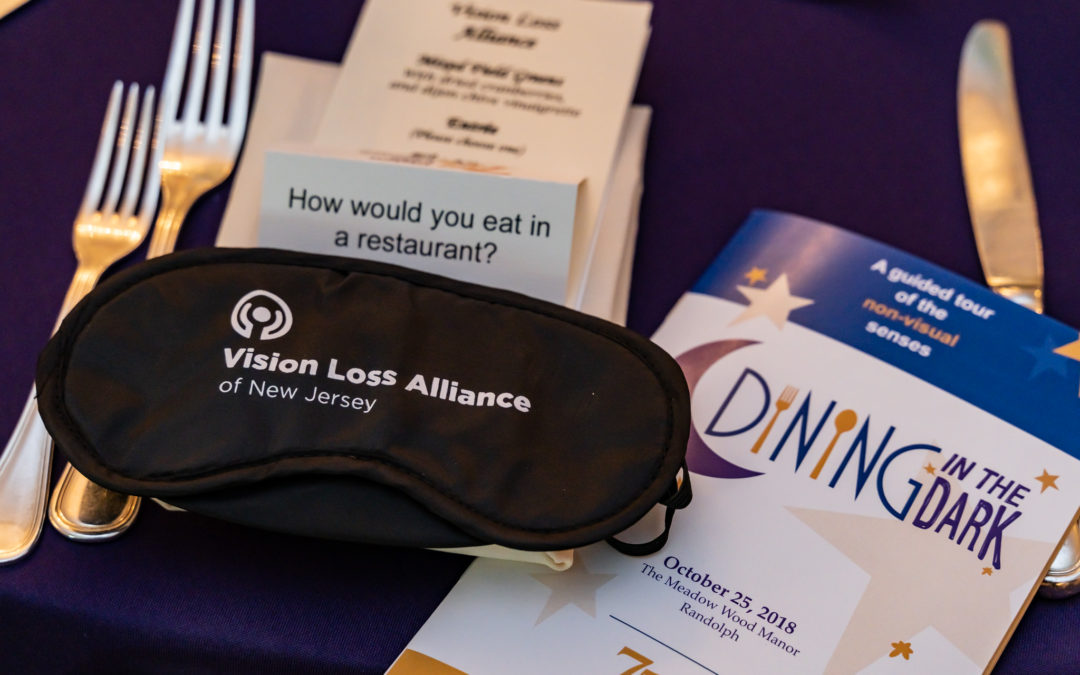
<point>1018,365</point>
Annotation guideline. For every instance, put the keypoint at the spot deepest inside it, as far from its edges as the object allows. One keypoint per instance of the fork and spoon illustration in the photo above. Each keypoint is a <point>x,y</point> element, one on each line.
<point>844,421</point>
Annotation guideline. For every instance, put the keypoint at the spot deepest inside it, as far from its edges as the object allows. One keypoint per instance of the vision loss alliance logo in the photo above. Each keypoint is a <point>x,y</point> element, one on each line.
<point>263,310</point>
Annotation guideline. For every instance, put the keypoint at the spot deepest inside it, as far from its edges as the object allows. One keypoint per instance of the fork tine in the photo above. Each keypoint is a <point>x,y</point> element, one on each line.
<point>96,182</point>
<point>200,51</point>
<point>238,106</point>
<point>123,151</point>
<point>138,162</point>
<point>215,118</point>
<point>174,71</point>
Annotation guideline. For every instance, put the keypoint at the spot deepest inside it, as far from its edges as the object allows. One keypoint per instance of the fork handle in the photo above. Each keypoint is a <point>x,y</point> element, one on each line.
<point>761,439</point>
<point>179,194</point>
<point>84,281</point>
<point>60,508</point>
<point>80,509</point>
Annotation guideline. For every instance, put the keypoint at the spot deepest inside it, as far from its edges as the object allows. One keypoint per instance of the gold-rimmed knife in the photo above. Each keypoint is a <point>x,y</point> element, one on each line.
<point>1001,202</point>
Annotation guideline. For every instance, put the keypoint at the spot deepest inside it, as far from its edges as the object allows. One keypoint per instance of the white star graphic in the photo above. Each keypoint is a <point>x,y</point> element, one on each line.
<point>576,586</point>
<point>774,302</point>
<point>920,579</point>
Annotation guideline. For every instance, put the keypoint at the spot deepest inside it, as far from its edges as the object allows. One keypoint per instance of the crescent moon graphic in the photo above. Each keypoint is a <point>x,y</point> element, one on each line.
<point>699,458</point>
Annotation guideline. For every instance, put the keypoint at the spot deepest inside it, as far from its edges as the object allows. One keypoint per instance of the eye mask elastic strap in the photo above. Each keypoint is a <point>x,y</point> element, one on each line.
<point>677,497</point>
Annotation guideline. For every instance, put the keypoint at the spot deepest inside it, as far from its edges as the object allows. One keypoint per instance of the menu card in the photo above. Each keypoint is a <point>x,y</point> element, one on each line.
<point>536,87</point>
<point>884,461</point>
<point>291,94</point>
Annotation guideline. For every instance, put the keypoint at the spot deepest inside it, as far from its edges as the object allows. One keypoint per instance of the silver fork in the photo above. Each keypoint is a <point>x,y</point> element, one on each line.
<point>102,235</point>
<point>198,155</point>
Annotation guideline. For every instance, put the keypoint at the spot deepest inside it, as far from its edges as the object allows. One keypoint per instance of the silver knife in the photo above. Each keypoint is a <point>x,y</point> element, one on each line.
<point>996,175</point>
<point>1002,206</point>
<point>9,6</point>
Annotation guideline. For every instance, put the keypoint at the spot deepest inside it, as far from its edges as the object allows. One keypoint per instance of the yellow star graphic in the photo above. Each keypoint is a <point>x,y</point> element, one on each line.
<point>756,274</point>
<point>901,648</point>
<point>930,468</point>
<point>774,302</point>
<point>1069,351</point>
<point>1048,481</point>
<point>988,571</point>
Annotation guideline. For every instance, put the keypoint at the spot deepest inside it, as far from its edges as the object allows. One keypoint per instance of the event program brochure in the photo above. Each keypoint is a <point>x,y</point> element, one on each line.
<point>884,461</point>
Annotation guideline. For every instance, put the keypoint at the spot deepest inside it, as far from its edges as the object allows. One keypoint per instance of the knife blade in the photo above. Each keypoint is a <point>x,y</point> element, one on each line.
<point>1000,197</point>
<point>1001,202</point>
<point>9,6</point>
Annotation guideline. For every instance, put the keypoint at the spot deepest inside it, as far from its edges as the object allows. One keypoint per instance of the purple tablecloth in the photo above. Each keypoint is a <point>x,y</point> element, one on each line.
<point>843,111</point>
